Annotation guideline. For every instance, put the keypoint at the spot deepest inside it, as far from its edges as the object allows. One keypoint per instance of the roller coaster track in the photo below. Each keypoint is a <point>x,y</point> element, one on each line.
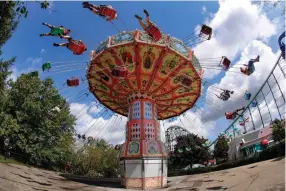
<point>269,94</point>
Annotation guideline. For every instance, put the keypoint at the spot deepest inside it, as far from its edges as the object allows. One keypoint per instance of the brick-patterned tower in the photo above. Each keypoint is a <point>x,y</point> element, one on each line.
<point>143,155</point>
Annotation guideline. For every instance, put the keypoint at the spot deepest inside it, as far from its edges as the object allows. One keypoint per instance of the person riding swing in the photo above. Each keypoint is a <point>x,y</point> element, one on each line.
<point>225,95</point>
<point>232,115</point>
<point>55,31</point>
<point>76,46</point>
<point>106,11</point>
<point>249,69</point>
<point>150,27</point>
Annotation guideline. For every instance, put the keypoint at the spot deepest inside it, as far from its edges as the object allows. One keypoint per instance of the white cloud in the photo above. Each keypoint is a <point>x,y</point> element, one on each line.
<point>251,83</point>
<point>43,51</point>
<point>235,25</point>
<point>111,129</point>
<point>31,63</point>
<point>204,10</point>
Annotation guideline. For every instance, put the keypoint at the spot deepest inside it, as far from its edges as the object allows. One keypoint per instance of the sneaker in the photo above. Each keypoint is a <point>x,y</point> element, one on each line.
<point>55,44</point>
<point>138,17</point>
<point>146,12</point>
<point>85,4</point>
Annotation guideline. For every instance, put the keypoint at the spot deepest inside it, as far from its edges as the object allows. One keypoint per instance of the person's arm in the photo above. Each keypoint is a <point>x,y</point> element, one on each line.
<point>217,96</point>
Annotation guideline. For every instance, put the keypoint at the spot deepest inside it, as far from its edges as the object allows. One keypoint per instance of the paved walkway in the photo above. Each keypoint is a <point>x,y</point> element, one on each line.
<point>264,176</point>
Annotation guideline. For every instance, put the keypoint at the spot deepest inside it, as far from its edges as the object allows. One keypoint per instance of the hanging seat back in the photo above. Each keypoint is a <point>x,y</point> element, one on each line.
<point>46,66</point>
<point>225,63</point>
<point>206,32</point>
<point>186,81</point>
<point>119,72</point>
<point>154,32</point>
<point>35,73</point>
<point>107,11</point>
<point>73,82</point>
<point>247,95</point>
<point>77,47</point>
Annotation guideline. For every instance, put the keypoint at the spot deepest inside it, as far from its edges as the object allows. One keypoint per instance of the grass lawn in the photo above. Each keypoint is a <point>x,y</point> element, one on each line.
<point>9,160</point>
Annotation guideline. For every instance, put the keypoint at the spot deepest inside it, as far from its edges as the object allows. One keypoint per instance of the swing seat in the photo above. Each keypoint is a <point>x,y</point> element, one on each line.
<point>247,96</point>
<point>282,44</point>
<point>119,72</point>
<point>225,63</point>
<point>206,32</point>
<point>46,66</point>
<point>229,115</point>
<point>73,82</point>
<point>187,82</point>
<point>35,73</point>
<point>253,104</point>
<point>154,32</point>
<point>108,12</point>
<point>77,47</point>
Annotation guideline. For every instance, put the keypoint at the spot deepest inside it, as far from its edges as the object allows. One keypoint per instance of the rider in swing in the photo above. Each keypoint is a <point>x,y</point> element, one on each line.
<point>102,10</point>
<point>225,95</point>
<point>249,69</point>
<point>56,31</point>
<point>232,115</point>
<point>150,27</point>
<point>76,46</point>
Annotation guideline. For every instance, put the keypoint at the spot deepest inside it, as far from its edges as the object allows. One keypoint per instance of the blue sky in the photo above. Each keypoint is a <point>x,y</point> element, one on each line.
<point>178,19</point>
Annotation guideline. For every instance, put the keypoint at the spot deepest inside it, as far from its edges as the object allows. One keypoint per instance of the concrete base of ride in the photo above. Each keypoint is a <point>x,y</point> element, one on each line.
<point>144,173</point>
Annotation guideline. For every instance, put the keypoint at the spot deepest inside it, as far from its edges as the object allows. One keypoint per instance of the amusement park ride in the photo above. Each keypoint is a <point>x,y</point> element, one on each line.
<point>146,76</point>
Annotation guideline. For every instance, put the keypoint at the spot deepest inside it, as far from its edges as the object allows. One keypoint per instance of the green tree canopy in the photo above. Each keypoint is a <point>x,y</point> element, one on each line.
<point>190,149</point>
<point>221,148</point>
<point>41,132</point>
<point>278,131</point>
<point>96,158</point>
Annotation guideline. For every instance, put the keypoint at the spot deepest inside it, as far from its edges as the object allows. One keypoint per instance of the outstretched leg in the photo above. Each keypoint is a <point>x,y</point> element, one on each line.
<point>236,111</point>
<point>143,25</point>
<point>46,34</point>
<point>48,25</point>
<point>149,23</point>
<point>62,44</point>
<point>92,8</point>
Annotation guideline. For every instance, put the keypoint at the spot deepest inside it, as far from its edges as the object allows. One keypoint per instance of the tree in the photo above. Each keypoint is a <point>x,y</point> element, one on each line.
<point>189,150</point>
<point>42,133</point>
<point>278,131</point>
<point>96,159</point>
<point>221,148</point>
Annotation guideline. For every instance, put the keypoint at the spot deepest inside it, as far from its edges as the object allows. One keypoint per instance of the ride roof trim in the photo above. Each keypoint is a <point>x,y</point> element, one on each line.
<point>131,62</point>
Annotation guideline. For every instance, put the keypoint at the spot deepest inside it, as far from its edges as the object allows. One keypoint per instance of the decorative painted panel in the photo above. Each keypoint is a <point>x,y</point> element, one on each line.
<point>136,110</point>
<point>133,148</point>
<point>102,46</point>
<point>178,46</point>
<point>135,132</point>
<point>123,37</point>
<point>147,110</point>
<point>149,131</point>
<point>152,147</point>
